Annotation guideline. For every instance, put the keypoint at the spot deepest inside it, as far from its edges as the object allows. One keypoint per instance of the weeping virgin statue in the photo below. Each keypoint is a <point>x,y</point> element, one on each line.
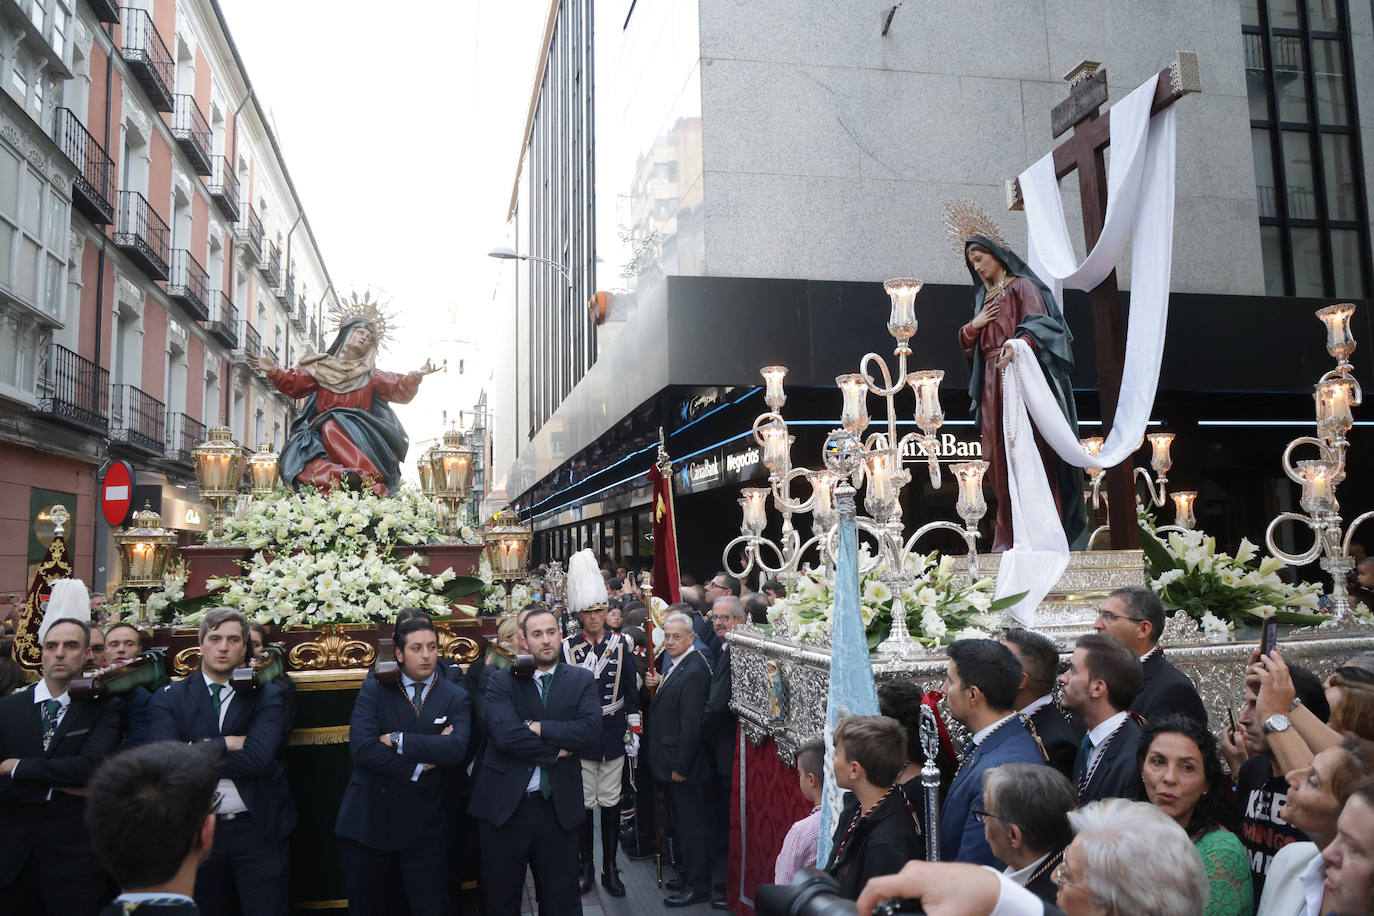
<point>346,434</point>
<point>1010,301</point>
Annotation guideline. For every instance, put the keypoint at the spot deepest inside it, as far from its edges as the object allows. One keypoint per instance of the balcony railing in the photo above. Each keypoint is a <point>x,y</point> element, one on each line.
<point>137,419</point>
<point>223,323</point>
<point>105,10</point>
<point>142,234</point>
<point>224,188</point>
<point>314,334</point>
<point>76,391</point>
<point>188,283</point>
<point>284,291</point>
<point>92,190</point>
<point>183,434</point>
<point>248,232</point>
<point>271,265</point>
<point>192,132</point>
<point>146,54</point>
<point>250,342</point>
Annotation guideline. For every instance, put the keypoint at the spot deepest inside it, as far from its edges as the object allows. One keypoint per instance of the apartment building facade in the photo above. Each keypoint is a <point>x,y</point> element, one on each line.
<point>152,246</point>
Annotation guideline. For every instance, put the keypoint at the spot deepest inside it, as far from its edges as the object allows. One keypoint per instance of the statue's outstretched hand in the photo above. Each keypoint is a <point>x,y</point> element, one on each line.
<point>428,368</point>
<point>265,364</point>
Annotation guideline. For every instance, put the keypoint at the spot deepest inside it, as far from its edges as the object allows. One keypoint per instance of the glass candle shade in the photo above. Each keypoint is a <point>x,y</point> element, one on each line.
<point>902,322</point>
<point>1340,343</point>
<point>1093,446</point>
<point>971,504</point>
<point>262,469</point>
<point>777,448</point>
<point>754,504</point>
<point>425,467</point>
<point>1183,508</point>
<point>773,394</point>
<point>218,464</point>
<point>823,485</point>
<point>508,547</point>
<point>1160,459</point>
<point>882,471</point>
<point>926,384</point>
<point>1334,399</point>
<point>854,415</point>
<point>1318,486</point>
<point>453,464</point>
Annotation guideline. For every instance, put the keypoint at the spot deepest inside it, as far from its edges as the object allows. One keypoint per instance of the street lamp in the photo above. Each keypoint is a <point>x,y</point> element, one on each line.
<point>510,254</point>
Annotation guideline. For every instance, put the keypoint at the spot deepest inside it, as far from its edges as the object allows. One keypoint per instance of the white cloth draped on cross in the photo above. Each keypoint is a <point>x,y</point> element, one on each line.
<point>1140,208</point>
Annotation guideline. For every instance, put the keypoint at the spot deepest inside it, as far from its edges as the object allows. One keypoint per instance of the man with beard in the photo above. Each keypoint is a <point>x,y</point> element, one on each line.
<point>50,744</point>
<point>528,791</point>
<point>1102,680</point>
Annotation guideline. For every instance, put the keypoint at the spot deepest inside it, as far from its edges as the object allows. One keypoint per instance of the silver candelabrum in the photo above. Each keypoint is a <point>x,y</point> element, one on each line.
<point>1335,394</point>
<point>1156,486</point>
<point>848,455</point>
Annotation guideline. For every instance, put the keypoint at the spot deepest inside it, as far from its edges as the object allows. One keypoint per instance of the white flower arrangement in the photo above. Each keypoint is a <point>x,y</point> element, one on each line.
<point>1221,591</point>
<point>938,611</point>
<point>340,520</point>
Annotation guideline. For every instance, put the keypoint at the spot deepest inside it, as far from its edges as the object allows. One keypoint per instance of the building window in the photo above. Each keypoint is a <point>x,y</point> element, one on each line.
<point>1309,185</point>
<point>33,232</point>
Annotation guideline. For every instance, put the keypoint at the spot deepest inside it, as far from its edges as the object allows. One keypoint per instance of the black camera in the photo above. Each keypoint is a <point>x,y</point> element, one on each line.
<point>814,893</point>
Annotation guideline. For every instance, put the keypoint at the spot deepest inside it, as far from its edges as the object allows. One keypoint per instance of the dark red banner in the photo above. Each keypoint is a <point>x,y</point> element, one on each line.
<point>665,538</point>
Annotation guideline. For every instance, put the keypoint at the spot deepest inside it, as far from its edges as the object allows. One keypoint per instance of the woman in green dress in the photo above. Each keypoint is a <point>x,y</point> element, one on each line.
<point>1182,775</point>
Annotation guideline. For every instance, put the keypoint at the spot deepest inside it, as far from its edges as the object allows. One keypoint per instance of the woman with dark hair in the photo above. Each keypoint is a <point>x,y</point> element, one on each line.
<point>1182,775</point>
<point>1010,301</point>
<point>346,434</point>
<point>901,700</point>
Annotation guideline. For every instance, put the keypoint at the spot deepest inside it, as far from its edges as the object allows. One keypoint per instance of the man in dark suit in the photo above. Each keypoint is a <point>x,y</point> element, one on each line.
<point>980,691</point>
<point>392,820</point>
<point>1026,818</point>
<point>679,759</point>
<point>247,870</point>
<point>528,790</point>
<point>1059,732</point>
<point>1102,680</point>
<point>718,728</point>
<point>151,817</point>
<point>49,746</point>
<point>1134,616</point>
<point>123,643</point>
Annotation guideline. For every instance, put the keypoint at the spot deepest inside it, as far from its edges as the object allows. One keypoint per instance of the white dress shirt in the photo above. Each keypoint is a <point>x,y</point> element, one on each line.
<point>533,784</point>
<point>981,734</point>
<point>230,801</point>
<point>1015,900</point>
<point>1035,706</point>
<point>1100,733</point>
<point>406,683</point>
<point>1022,875</point>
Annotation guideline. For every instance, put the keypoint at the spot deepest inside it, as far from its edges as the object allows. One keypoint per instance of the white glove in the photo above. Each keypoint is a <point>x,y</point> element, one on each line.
<point>632,745</point>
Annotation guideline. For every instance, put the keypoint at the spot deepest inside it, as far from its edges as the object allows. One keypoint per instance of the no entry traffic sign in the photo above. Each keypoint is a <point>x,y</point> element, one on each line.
<point>117,492</point>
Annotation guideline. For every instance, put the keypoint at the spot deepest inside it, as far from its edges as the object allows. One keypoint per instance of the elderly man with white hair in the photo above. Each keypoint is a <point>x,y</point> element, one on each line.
<point>1128,858</point>
<point>679,758</point>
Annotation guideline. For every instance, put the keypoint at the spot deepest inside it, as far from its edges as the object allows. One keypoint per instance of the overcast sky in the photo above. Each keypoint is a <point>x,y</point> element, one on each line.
<point>400,124</point>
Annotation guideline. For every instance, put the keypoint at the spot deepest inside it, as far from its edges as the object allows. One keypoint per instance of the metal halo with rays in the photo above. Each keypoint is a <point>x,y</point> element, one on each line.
<point>383,321</point>
<point>964,219</point>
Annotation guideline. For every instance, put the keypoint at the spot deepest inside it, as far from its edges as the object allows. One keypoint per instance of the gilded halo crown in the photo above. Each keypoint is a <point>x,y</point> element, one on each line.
<point>964,219</point>
<point>355,307</point>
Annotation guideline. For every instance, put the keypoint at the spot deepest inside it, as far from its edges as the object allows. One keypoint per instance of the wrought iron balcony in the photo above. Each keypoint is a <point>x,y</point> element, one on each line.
<point>183,434</point>
<point>223,323</point>
<point>250,343</point>
<point>248,232</point>
<point>192,132</point>
<point>74,391</point>
<point>271,265</point>
<point>137,419</point>
<point>283,291</point>
<point>146,54</point>
<point>105,10</point>
<point>272,353</point>
<point>188,283</point>
<point>92,189</point>
<point>142,234</point>
<point>314,334</point>
<point>224,188</point>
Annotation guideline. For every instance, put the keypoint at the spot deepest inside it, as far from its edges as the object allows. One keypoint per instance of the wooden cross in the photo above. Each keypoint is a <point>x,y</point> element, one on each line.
<point>1084,151</point>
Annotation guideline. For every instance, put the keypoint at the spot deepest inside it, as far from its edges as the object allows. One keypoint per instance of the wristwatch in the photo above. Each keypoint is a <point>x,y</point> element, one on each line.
<point>396,741</point>
<point>1278,722</point>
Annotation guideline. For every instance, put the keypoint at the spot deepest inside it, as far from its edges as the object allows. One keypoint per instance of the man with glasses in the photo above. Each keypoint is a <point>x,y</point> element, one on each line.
<point>678,757</point>
<point>1134,616</point>
<point>1025,817</point>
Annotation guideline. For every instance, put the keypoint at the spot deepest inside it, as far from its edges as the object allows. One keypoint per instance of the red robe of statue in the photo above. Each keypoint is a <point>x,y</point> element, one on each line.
<point>1018,300</point>
<point>342,454</point>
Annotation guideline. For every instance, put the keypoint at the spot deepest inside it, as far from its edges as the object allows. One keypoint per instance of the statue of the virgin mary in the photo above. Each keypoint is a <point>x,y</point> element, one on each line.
<point>347,434</point>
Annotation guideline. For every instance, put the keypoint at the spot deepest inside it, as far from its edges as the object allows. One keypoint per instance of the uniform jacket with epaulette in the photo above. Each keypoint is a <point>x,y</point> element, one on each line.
<point>611,662</point>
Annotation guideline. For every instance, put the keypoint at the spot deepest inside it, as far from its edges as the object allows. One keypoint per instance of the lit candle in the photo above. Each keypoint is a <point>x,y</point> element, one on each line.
<point>971,505</point>
<point>142,565</point>
<point>1160,460</point>
<point>1318,492</point>
<point>777,446</point>
<point>880,476</point>
<point>1339,341</point>
<point>926,384</point>
<point>854,416</point>
<point>902,323</point>
<point>1183,508</point>
<point>823,487</point>
<point>1334,398</point>
<point>773,394</point>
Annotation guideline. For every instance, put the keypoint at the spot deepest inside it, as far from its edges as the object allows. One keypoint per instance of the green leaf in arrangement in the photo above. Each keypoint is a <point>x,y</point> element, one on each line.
<point>460,586</point>
<point>1157,556</point>
<point>1001,604</point>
